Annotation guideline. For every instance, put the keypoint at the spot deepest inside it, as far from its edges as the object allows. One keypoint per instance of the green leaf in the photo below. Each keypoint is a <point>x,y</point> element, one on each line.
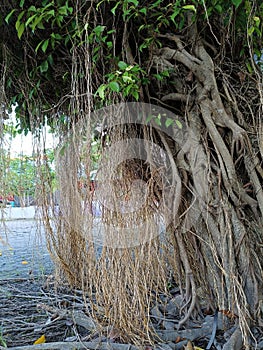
<point>257,20</point>
<point>168,122</point>
<point>127,90</point>
<point>20,30</point>
<point>179,124</point>
<point>158,121</point>
<point>59,20</point>
<point>56,36</point>
<point>127,79</point>
<point>189,7</point>
<point>40,25</point>
<point>45,45</point>
<point>21,4</point>
<point>143,10</point>
<point>101,91</point>
<point>9,15</point>
<point>236,3</point>
<point>158,76</point>
<point>9,82</point>
<point>51,13</point>
<point>36,22</point>
<point>30,19</point>
<point>144,45</point>
<point>38,45</point>
<point>219,8</point>
<point>113,10</point>
<point>99,29</point>
<point>50,59</point>
<point>98,5</point>
<point>122,65</point>
<point>141,27</point>
<point>63,10</point>
<point>31,93</point>
<point>135,94</point>
<point>44,67</point>
<point>149,118</point>
<point>134,2</point>
<point>165,73</point>
<point>175,13</point>
<point>114,86</point>
<point>17,24</point>
<point>32,8</point>
<point>21,14</point>
<point>258,31</point>
<point>249,67</point>
<point>250,30</point>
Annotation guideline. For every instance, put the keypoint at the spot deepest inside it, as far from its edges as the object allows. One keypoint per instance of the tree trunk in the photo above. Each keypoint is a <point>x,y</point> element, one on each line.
<point>221,253</point>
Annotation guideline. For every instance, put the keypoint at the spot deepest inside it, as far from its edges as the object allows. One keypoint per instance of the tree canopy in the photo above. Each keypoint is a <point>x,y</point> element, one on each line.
<point>41,39</point>
<point>201,61</point>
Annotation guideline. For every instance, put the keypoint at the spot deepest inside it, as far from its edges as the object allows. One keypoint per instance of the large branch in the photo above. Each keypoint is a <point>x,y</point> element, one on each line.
<point>203,69</point>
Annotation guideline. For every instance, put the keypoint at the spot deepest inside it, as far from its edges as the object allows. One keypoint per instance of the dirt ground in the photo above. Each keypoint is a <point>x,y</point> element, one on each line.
<point>33,307</point>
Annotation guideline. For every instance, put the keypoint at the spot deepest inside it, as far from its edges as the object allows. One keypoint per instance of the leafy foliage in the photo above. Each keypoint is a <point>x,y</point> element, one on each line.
<point>20,177</point>
<point>39,56</point>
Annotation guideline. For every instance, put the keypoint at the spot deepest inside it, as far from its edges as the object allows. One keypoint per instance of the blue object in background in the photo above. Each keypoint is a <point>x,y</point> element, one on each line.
<point>96,209</point>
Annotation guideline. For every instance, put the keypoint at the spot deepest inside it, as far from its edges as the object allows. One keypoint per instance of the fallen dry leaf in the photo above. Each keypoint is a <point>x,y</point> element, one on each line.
<point>40,340</point>
<point>228,313</point>
<point>189,346</point>
<point>179,339</point>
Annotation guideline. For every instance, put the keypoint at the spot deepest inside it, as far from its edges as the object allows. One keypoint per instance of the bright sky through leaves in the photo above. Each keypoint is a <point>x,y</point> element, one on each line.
<point>26,145</point>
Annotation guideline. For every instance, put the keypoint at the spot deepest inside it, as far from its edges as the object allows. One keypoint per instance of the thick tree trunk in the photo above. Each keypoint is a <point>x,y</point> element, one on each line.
<point>228,261</point>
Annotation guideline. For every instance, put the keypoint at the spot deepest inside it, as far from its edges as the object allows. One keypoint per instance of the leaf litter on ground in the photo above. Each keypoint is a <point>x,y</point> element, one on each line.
<point>36,314</point>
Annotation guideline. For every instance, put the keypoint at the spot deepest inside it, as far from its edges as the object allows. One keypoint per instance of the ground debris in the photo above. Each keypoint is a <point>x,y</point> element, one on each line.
<point>30,309</point>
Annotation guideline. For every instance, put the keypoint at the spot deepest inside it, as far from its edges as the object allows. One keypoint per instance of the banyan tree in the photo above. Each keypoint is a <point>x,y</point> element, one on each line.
<point>163,101</point>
